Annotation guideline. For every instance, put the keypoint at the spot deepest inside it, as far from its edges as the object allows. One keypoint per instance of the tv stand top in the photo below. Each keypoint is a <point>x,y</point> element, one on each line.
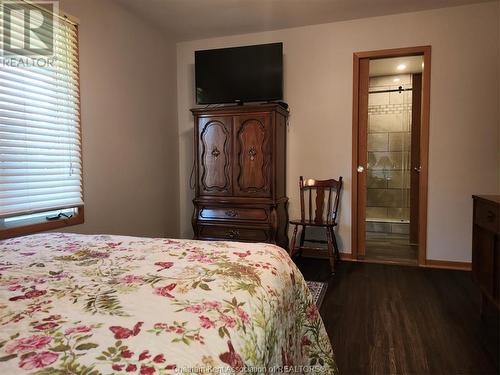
<point>281,103</point>
<point>239,108</point>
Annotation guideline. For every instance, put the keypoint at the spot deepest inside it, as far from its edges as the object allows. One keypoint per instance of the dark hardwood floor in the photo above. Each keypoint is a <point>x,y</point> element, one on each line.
<point>388,319</point>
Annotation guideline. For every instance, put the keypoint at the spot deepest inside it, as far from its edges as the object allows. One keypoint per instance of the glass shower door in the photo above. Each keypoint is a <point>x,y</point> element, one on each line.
<point>388,167</point>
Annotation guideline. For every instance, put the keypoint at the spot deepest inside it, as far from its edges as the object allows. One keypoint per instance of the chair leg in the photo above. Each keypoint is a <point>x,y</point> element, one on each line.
<point>302,239</point>
<point>291,250</point>
<point>335,245</point>
<point>331,256</point>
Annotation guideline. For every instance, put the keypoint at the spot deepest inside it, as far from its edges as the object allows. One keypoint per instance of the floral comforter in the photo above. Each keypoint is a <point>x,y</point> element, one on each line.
<point>76,304</point>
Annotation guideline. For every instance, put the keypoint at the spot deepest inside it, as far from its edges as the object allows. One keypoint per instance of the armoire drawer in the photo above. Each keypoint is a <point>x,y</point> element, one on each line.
<point>233,213</point>
<point>486,215</point>
<point>233,233</point>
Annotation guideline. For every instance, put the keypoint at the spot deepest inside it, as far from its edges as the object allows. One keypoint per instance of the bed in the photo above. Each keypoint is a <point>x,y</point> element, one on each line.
<point>80,304</point>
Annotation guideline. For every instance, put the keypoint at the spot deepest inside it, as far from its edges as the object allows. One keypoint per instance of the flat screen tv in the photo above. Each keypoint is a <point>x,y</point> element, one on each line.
<point>240,74</point>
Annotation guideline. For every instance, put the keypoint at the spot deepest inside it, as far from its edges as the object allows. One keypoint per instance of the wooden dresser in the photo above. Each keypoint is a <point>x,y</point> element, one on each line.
<point>240,168</point>
<point>486,247</point>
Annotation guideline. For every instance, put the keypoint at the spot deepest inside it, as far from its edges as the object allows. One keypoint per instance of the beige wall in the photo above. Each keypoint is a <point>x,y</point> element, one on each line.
<point>318,86</point>
<point>128,95</point>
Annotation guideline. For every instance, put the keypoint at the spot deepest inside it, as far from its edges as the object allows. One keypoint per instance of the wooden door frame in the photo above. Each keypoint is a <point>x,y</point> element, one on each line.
<point>424,51</point>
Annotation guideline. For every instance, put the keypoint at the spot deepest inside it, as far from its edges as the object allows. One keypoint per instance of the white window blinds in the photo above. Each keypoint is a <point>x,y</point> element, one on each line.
<point>40,149</point>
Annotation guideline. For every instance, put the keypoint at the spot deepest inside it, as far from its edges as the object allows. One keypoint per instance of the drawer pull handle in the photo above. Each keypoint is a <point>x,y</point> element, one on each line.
<point>233,233</point>
<point>231,213</point>
<point>490,216</point>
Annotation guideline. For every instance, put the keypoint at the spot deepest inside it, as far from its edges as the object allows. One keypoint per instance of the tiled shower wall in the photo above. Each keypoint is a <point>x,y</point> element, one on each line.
<point>389,142</point>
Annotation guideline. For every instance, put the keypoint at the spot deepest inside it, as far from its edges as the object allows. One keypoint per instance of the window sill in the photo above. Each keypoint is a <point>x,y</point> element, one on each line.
<point>42,226</point>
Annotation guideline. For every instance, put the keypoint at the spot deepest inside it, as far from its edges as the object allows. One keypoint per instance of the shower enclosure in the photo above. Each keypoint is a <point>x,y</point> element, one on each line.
<point>388,166</point>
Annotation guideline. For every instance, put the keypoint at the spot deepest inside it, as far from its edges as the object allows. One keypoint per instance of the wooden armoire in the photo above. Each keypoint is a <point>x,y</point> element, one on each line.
<point>240,168</point>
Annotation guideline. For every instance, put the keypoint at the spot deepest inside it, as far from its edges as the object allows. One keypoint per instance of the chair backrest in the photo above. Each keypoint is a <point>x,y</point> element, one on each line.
<point>327,194</point>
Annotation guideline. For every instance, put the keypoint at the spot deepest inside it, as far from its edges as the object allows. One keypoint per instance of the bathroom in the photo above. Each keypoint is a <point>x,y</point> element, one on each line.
<point>392,118</point>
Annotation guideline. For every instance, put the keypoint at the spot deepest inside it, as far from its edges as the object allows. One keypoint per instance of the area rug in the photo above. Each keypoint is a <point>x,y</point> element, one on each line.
<point>318,291</point>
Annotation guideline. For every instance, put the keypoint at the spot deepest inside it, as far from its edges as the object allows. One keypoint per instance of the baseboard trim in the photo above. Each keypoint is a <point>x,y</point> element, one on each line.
<point>323,254</point>
<point>348,257</point>
<point>448,264</point>
<point>430,263</point>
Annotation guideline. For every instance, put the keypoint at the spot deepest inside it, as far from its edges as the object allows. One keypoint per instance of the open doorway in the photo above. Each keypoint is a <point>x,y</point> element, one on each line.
<point>390,147</point>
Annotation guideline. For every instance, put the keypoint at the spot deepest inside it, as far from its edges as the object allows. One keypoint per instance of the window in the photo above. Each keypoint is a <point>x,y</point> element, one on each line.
<point>40,138</point>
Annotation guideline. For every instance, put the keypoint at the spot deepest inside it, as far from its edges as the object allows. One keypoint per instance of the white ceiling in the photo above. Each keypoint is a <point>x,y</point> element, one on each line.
<point>198,19</point>
<point>388,67</point>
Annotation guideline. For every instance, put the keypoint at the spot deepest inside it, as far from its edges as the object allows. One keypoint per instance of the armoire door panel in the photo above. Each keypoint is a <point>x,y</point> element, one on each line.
<point>215,148</point>
<point>253,162</point>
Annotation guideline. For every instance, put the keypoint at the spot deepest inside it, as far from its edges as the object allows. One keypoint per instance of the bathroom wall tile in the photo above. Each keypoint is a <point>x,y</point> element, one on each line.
<point>380,81</point>
<point>399,97</point>
<point>386,160</point>
<point>376,212</point>
<point>399,141</point>
<point>389,138</point>
<point>385,198</point>
<point>376,179</point>
<point>381,98</point>
<point>398,179</point>
<point>378,142</point>
<point>400,228</point>
<point>374,226</point>
<point>405,160</point>
<point>391,122</point>
<point>407,121</point>
<point>409,96</point>
<point>398,213</point>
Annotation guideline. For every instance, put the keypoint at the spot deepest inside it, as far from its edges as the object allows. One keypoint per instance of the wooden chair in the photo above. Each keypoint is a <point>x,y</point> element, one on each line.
<point>324,190</point>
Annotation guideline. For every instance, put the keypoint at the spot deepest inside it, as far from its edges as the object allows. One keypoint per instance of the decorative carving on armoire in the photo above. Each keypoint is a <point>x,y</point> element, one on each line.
<point>252,153</point>
<point>215,152</point>
<point>231,213</point>
<point>253,143</point>
<point>240,164</point>
<point>212,179</point>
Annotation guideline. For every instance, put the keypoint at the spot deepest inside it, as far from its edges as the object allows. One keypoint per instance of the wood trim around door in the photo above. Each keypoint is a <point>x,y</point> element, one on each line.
<point>424,51</point>
<point>416,122</point>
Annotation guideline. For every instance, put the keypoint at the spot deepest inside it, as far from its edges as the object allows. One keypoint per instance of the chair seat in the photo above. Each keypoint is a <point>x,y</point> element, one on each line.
<point>313,223</point>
